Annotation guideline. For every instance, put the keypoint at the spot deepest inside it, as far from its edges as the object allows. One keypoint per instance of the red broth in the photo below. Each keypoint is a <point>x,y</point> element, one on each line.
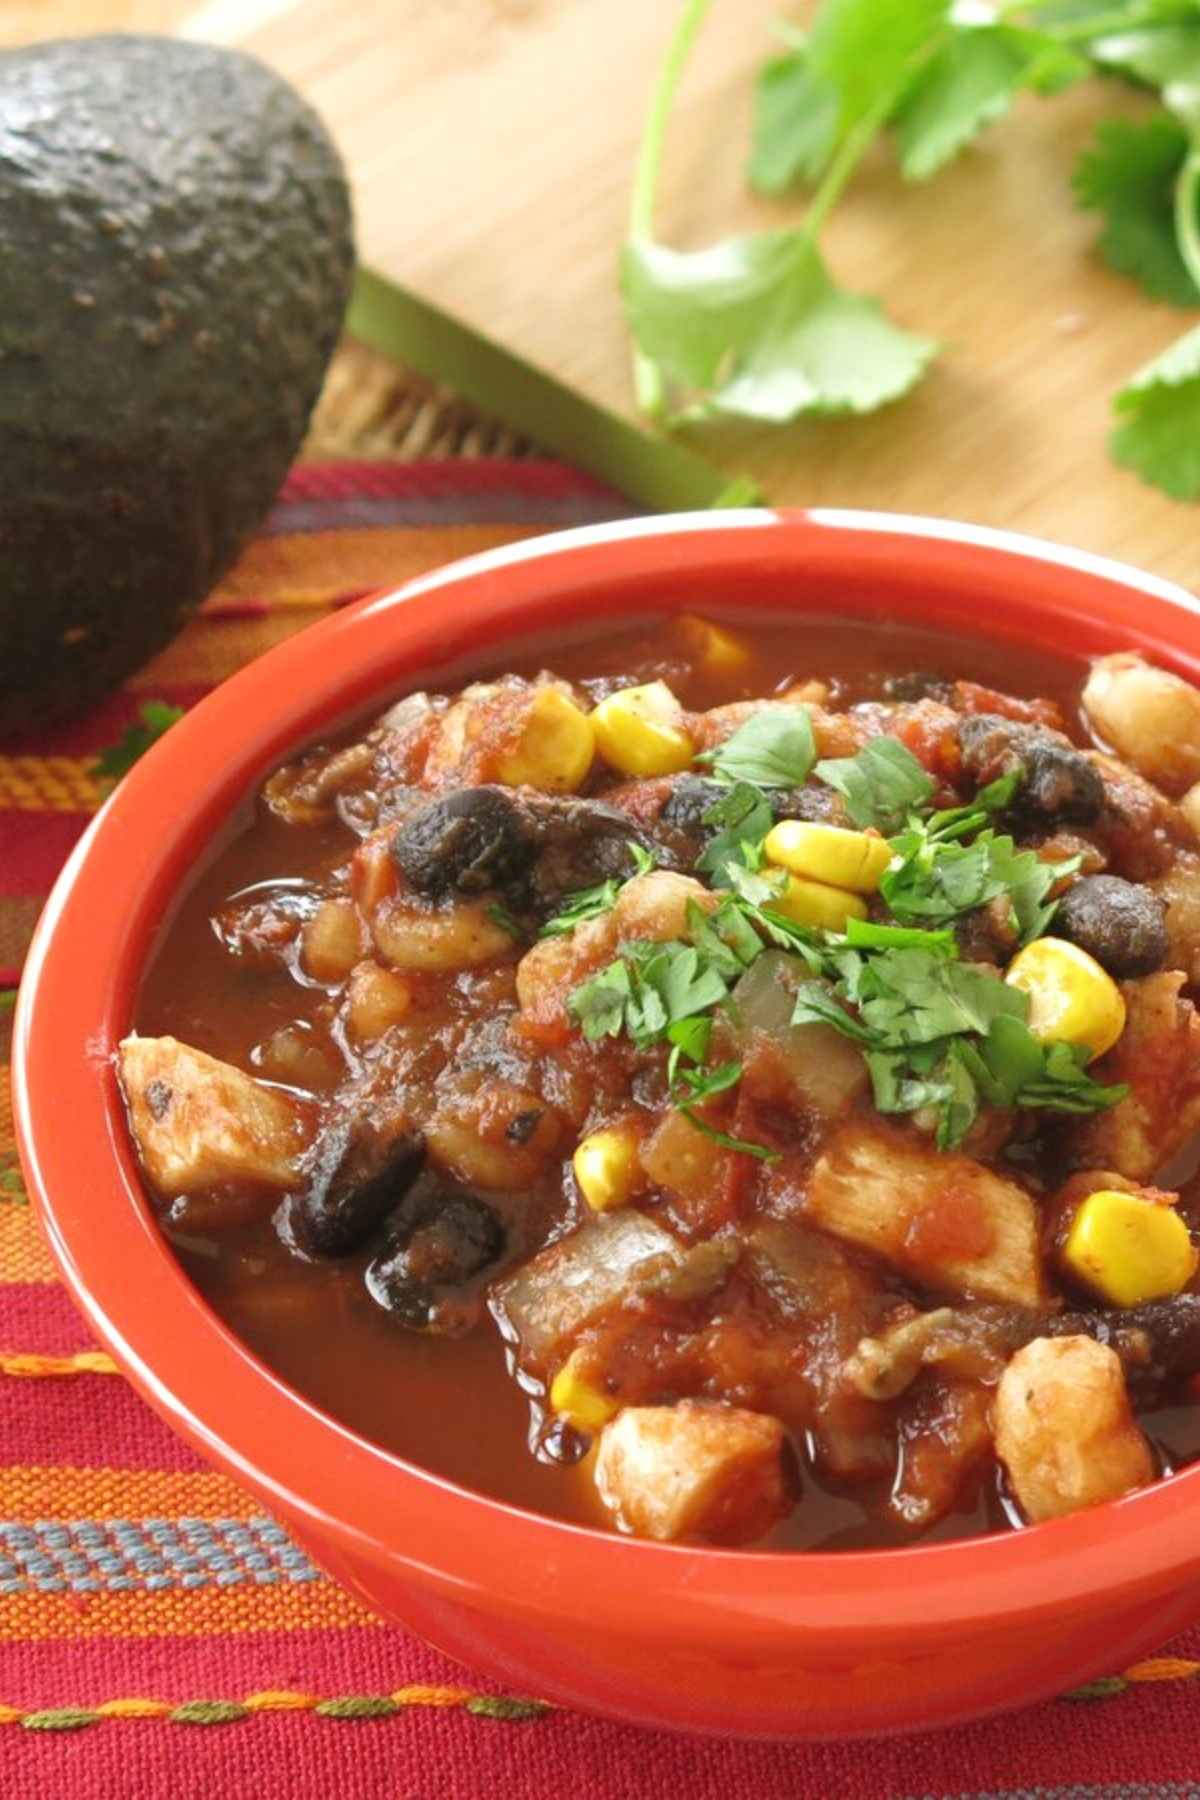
<point>451,1405</point>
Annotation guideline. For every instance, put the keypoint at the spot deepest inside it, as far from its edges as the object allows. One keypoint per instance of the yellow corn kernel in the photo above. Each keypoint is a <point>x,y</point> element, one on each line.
<point>607,1168</point>
<point>640,731</point>
<point>845,859</point>
<point>1071,998</point>
<point>1127,1249</point>
<point>711,647</point>
<point>577,1400</point>
<point>555,749</point>
<point>815,903</point>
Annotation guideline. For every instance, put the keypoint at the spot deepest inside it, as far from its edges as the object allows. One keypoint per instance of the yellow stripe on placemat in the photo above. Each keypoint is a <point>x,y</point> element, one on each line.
<point>48,784</point>
<point>49,1492</point>
<point>180,1612</point>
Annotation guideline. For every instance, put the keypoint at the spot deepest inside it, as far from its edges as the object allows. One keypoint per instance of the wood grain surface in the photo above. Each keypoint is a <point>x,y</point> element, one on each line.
<point>491,144</point>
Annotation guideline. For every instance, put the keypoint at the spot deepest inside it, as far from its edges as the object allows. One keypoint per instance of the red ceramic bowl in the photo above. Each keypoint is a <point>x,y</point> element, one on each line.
<point>789,1646</point>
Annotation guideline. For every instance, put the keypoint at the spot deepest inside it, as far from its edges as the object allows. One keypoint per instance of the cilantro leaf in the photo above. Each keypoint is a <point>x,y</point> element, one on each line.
<point>773,749</point>
<point>156,718</point>
<point>704,1084</point>
<point>745,816</point>
<point>500,915</point>
<point>690,1037</point>
<point>586,903</point>
<point>881,784</point>
<point>939,879</point>
<point>599,1004</point>
<point>865,934</point>
<point>866,52</point>
<point>760,1151</point>
<point>1163,53</point>
<point>796,118</point>
<point>816,1004</point>
<point>967,84</point>
<point>1129,174</point>
<point>754,327</point>
<point>1158,413</point>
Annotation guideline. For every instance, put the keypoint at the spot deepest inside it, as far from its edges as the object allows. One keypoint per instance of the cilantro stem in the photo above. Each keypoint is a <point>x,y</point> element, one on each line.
<point>1187,213</point>
<point>648,382</point>
<point>850,153</point>
<point>1077,31</point>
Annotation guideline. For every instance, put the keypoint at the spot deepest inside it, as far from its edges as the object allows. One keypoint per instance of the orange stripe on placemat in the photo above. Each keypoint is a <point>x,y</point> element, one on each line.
<point>28,1492</point>
<point>23,1253</point>
<point>179,1612</point>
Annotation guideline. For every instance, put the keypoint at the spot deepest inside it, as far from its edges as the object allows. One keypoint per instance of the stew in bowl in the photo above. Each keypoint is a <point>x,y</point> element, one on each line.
<point>728,1081</point>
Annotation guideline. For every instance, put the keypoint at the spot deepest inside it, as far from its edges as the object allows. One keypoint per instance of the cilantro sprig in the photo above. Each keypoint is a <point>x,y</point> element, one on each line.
<point>154,718</point>
<point>757,327</point>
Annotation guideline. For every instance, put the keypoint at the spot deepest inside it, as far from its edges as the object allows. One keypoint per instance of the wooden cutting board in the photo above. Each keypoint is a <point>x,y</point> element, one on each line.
<point>491,144</point>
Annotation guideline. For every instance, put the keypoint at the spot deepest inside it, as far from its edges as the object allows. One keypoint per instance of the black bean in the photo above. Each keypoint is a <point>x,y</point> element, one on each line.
<point>467,841</point>
<point>357,1172</point>
<point>1060,786</point>
<point>437,1244</point>
<point>580,844</point>
<point>1058,783</point>
<point>815,803</point>
<point>690,798</point>
<point>1119,923</point>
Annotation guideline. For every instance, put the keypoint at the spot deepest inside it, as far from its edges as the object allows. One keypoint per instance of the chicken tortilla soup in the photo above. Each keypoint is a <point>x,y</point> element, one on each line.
<point>729,1082</point>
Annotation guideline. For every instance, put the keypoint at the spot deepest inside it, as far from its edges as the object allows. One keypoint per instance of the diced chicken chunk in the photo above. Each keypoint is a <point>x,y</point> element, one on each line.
<point>945,1221</point>
<point>1065,1430</point>
<point>198,1122</point>
<point>1158,1056</point>
<point>549,1300</point>
<point>694,1471</point>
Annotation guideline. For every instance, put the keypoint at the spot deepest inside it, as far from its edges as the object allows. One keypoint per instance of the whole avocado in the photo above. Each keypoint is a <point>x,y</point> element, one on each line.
<point>176,251</point>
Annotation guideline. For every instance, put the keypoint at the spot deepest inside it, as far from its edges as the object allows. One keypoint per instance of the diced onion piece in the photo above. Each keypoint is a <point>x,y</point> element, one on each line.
<point>549,1299</point>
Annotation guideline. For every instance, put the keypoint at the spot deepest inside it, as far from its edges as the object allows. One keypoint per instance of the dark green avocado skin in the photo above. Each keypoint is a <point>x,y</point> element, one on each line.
<point>176,250</point>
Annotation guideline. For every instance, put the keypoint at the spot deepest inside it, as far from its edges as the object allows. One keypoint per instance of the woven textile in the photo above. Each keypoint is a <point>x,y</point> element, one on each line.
<point>159,1635</point>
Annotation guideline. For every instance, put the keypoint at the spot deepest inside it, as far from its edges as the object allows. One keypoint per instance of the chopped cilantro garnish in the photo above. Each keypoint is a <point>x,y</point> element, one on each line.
<point>594,902</point>
<point>944,1035</point>
<point>881,785</point>
<point>939,1035</point>
<point>500,915</point>
<point>587,903</point>
<point>156,717</point>
<point>773,749</point>
<point>935,877</point>
<point>744,816</point>
<point>762,1151</point>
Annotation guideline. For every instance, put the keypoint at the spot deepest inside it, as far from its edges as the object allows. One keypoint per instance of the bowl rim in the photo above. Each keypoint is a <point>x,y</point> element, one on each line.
<point>356,1499</point>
